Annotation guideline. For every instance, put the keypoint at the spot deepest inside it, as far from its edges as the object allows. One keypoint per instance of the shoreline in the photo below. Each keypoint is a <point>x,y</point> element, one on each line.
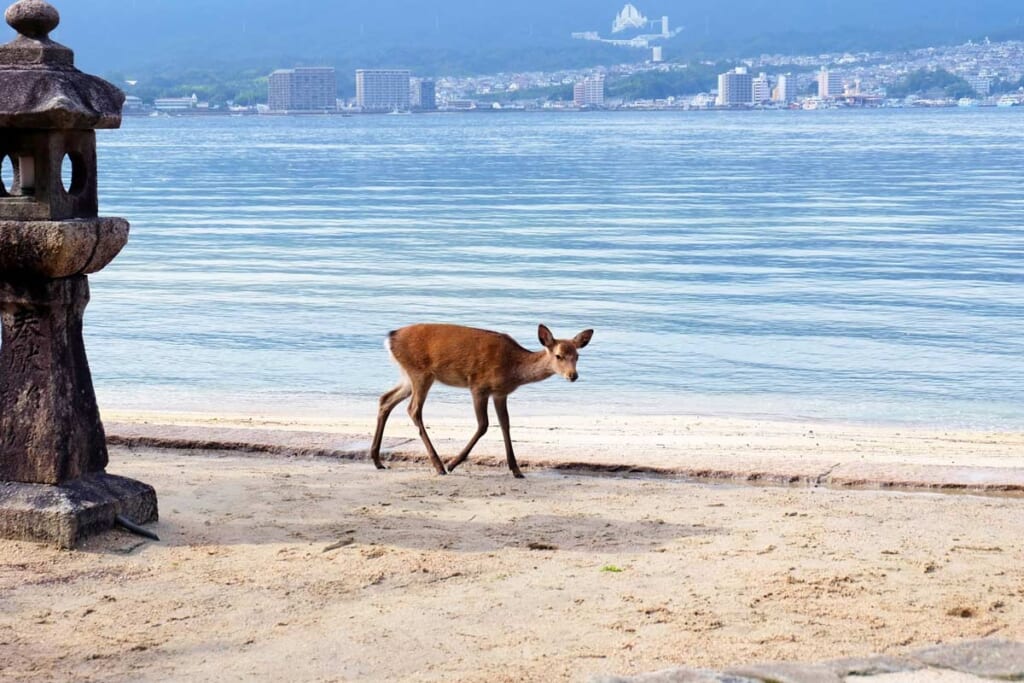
<point>712,449</point>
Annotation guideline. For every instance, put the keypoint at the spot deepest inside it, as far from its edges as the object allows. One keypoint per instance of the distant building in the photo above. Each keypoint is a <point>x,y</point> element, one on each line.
<point>981,84</point>
<point>657,55</point>
<point>829,84</point>
<point>785,89</point>
<point>132,104</point>
<point>303,89</point>
<point>176,104</point>
<point>629,18</point>
<point>589,92</point>
<point>761,89</point>
<point>422,94</point>
<point>382,89</point>
<point>735,88</point>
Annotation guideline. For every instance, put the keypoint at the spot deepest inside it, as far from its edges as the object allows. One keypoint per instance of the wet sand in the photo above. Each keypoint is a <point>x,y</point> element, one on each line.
<point>304,568</point>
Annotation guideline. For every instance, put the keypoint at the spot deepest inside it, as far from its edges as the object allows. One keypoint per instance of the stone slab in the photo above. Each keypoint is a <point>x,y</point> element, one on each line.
<point>677,676</point>
<point>998,659</point>
<point>64,515</point>
<point>788,673</point>
<point>872,666</point>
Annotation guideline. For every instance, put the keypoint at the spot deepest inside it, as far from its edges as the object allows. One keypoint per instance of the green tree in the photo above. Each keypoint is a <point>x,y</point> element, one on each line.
<point>935,83</point>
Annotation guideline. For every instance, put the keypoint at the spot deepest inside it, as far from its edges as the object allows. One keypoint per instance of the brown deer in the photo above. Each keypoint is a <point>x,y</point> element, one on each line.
<point>489,364</point>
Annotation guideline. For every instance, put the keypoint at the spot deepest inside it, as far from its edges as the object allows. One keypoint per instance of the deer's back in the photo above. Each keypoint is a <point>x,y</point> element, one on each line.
<point>456,355</point>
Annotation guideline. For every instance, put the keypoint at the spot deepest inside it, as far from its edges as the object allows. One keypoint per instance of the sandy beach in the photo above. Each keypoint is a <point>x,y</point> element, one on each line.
<point>316,568</point>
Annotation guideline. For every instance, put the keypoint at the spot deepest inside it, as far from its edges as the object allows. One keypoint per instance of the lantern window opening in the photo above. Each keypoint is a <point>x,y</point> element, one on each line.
<point>74,173</point>
<point>7,177</point>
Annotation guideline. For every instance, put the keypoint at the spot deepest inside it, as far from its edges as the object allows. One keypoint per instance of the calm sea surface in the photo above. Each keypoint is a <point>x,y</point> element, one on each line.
<point>858,265</point>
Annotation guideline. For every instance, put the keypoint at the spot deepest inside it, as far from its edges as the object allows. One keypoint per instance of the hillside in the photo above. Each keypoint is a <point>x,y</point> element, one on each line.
<point>147,38</point>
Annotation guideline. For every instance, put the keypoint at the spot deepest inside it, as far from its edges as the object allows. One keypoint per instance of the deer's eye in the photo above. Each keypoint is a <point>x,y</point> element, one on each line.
<point>559,357</point>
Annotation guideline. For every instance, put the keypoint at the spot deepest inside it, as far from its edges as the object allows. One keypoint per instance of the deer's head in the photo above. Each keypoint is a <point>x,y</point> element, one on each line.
<point>563,353</point>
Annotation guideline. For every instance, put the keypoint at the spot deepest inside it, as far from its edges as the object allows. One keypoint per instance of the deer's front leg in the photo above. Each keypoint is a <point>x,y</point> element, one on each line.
<point>501,407</point>
<point>480,406</point>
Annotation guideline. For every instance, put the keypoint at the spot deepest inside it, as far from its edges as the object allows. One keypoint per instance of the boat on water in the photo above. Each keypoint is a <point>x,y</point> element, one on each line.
<point>1007,101</point>
<point>967,102</point>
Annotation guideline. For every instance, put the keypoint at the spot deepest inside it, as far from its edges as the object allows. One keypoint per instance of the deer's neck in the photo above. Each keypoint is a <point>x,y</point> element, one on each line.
<point>534,367</point>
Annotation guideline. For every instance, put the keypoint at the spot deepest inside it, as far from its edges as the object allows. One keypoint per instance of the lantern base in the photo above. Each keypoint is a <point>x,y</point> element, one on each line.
<point>64,515</point>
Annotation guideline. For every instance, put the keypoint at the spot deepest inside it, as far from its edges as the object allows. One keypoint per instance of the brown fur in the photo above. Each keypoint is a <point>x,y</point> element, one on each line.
<point>489,364</point>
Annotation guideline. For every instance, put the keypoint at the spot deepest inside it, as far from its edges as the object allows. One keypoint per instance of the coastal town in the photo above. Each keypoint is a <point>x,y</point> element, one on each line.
<point>982,74</point>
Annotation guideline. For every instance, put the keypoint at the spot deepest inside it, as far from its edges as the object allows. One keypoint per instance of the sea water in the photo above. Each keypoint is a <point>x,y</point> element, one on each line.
<point>862,266</point>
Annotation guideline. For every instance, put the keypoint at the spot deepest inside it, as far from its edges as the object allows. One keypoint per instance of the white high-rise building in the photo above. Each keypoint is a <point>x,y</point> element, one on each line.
<point>829,84</point>
<point>785,89</point>
<point>589,92</point>
<point>735,88</point>
<point>382,89</point>
<point>303,89</point>
<point>761,89</point>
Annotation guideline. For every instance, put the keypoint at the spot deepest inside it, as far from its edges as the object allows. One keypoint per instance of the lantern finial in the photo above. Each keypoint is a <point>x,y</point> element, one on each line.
<point>33,19</point>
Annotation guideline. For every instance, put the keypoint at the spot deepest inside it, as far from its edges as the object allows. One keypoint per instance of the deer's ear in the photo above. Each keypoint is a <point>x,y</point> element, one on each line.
<point>547,339</point>
<point>583,338</point>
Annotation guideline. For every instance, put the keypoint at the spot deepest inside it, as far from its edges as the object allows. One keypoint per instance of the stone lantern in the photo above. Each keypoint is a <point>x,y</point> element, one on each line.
<point>53,453</point>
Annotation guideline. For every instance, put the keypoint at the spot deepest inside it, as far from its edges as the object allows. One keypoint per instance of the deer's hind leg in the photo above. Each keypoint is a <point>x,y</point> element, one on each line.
<point>388,401</point>
<point>420,388</point>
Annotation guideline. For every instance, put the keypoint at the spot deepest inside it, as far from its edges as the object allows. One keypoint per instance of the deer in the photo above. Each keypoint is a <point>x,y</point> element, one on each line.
<point>490,364</point>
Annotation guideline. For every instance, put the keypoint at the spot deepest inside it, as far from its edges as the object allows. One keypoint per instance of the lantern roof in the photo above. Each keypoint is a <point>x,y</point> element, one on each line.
<point>40,87</point>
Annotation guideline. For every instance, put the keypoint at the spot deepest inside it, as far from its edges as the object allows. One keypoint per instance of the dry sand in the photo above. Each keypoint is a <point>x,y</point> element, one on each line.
<point>306,568</point>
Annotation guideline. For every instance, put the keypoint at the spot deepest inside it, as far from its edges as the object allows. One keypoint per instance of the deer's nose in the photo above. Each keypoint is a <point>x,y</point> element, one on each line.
<point>573,376</point>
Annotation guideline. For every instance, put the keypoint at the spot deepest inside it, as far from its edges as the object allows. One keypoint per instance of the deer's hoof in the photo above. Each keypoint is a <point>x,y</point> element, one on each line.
<point>518,475</point>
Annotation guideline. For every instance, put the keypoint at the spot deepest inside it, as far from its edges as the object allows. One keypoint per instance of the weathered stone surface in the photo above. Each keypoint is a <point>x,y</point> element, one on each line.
<point>64,515</point>
<point>39,194</point>
<point>676,676</point>
<point>39,86</point>
<point>998,659</point>
<point>59,249</point>
<point>57,99</point>
<point>32,18</point>
<point>872,666</point>
<point>788,673</point>
<point>50,429</point>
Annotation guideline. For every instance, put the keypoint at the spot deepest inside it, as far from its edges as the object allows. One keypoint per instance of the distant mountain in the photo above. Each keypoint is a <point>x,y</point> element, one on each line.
<point>470,36</point>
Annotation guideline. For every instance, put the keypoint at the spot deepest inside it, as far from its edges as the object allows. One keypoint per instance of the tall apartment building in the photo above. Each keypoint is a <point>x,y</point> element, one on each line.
<point>303,89</point>
<point>981,84</point>
<point>382,89</point>
<point>785,89</point>
<point>735,88</point>
<point>761,89</point>
<point>589,92</point>
<point>829,84</point>
<point>422,94</point>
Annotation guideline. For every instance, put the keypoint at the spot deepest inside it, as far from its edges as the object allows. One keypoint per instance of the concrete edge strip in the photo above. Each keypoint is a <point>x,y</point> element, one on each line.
<point>765,476</point>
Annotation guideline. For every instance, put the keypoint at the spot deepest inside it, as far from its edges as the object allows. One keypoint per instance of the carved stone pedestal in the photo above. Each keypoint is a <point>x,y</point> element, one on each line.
<point>50,429</point>
<point>53,450</point>
<point>63,515</point>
